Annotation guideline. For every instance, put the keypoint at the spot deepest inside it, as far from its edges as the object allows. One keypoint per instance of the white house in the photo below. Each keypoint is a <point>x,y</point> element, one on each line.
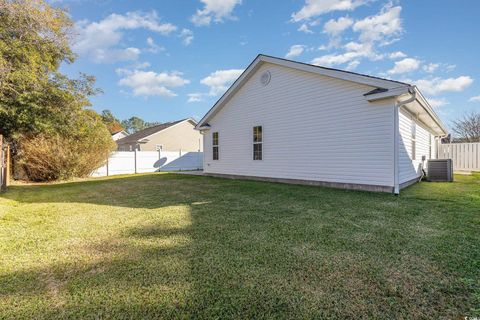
<point>119,135</point>
<point>292,122</point>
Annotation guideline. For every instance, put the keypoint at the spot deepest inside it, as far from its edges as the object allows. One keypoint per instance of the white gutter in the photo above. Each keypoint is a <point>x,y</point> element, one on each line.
<point>396,138</point>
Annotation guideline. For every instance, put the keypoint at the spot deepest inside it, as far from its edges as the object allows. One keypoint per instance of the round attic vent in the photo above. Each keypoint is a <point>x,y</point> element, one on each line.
<point>265,78</point>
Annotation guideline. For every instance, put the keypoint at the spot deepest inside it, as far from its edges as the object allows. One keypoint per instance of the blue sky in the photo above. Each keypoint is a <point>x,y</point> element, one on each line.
<point>166,60</point>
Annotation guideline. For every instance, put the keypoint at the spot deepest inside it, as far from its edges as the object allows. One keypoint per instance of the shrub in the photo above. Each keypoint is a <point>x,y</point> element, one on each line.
<point>60,156</point>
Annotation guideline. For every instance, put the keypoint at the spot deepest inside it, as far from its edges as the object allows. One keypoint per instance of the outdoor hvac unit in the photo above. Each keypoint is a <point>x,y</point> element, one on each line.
<point>440,170</point>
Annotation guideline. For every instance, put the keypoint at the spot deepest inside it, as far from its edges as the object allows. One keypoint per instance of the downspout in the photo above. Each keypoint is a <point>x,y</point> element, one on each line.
<point>396,137</point>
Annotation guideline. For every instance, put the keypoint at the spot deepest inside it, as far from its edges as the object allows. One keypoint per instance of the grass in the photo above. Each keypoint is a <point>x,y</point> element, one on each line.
<point>176,246</point>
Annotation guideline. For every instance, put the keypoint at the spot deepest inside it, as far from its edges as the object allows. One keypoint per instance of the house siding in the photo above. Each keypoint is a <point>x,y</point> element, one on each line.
<point>410,169</point>
<point>314,128</point>
<point>181,136</point>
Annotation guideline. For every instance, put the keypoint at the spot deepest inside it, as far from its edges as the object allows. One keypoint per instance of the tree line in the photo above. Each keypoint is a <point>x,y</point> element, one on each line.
<point>130,125</point>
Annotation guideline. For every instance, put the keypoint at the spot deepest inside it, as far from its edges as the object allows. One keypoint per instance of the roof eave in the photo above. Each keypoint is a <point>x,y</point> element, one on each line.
<point>391,93</point>
<point>339,74</point>
<point>428,108</point>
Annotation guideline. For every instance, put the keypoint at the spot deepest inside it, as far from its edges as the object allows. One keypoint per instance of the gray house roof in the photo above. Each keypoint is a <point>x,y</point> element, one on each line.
<point>142,134</point>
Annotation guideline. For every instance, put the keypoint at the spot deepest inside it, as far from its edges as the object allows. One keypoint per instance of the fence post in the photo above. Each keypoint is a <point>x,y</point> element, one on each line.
<point>135,160</point>
<point>8,165</point>
<point>2,167</point>
<point>107,164</point>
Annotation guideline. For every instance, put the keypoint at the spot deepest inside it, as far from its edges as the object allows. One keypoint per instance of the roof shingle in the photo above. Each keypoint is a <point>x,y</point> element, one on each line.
<point>139,135</point>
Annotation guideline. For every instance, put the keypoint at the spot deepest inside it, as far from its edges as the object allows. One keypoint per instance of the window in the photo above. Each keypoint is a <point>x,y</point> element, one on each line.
<point>413,129</point>
<point>257,143</point>
<point>215,145</point>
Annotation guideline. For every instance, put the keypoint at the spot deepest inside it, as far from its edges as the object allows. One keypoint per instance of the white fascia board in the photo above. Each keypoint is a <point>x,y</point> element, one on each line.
<point>233,88</point>
<point>428,108</point>
<point>395,92</point>
<point>339,74</point>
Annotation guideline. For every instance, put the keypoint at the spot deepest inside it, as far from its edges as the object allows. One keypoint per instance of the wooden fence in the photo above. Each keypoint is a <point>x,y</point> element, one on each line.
<point>465,156</point>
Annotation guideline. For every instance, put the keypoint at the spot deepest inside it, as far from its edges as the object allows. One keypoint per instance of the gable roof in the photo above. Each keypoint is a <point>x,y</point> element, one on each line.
<point>145,133</point>
<point>119,131</point>
<point>383,88</point>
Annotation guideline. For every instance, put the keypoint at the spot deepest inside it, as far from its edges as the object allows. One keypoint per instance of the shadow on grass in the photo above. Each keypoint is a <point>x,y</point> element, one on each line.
<point>245,250</point>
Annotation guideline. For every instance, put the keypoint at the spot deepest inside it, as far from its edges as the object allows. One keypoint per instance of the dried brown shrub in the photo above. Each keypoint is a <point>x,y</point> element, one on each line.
<point>55,156</point>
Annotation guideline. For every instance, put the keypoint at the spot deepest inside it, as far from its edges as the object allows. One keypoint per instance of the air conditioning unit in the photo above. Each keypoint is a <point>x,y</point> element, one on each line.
<point>440,170</point>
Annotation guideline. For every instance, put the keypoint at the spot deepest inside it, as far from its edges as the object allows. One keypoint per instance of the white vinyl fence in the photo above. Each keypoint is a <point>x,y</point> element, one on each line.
<point>465,156</point>
<point>126,162</point>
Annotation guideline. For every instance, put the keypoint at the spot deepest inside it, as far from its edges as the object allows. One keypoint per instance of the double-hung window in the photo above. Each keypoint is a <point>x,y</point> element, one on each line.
<point>257,143</point>
<point>215,145</point>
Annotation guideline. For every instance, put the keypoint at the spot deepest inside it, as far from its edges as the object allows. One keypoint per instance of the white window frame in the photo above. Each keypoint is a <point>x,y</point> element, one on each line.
<point>215,146</point>
<point>257,143</point>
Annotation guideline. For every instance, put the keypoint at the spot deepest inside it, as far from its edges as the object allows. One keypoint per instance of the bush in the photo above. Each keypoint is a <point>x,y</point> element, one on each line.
<point>55,156</point>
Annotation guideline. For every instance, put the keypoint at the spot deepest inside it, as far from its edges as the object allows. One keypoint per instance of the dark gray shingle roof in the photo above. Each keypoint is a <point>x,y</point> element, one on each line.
<point>142,134</point>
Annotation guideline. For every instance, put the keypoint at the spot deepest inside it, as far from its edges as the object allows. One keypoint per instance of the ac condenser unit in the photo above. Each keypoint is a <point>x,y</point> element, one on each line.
<point>440,170</point>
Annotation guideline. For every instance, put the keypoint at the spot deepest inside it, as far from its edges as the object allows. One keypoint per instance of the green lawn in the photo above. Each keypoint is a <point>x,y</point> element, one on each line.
<point>176,246</point>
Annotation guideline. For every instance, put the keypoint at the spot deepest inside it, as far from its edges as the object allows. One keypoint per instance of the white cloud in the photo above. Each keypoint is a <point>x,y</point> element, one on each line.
<point>437,85</point>
<point>219,80</point>
<point>404,66</point>
<point>313,8</point>
<point>354,51</point>
<point>195,97</point>
<point>304,28</point>
<point>97,40</point>
<point>336,27</point>
<point>153,47</point>
<point>475,99</point>
<point>431,67</point>
<point>385,27</point>
<point>214,10</point>
<point>437,103</point>
<point>150,83</point>
<point>115,55</point>
<point>187,36</point>
<point>397,55</point>
<point>295,51</point>
<point>141,65</point>
<point>352,65</point>
<point>450,67</point>
<point>380,29</point>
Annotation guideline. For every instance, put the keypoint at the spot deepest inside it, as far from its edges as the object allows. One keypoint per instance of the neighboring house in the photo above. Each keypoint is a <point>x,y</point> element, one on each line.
<point>172,136</point>
<point>119,135</point>
<point>293,122</point>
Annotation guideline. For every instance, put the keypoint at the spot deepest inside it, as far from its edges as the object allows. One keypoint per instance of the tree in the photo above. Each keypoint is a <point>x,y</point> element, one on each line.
<point>135,124</point>
<point>34,96</point>
<point>112,123</point>
<point>36,99</point>
<point>467,128</point>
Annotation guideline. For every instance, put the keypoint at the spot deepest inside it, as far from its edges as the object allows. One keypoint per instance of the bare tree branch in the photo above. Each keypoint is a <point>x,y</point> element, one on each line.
<point>467,128</point>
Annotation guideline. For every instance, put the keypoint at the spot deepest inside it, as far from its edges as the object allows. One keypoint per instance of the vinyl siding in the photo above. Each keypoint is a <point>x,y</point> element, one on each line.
<point>314,128</point>
<point>410,169</point>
